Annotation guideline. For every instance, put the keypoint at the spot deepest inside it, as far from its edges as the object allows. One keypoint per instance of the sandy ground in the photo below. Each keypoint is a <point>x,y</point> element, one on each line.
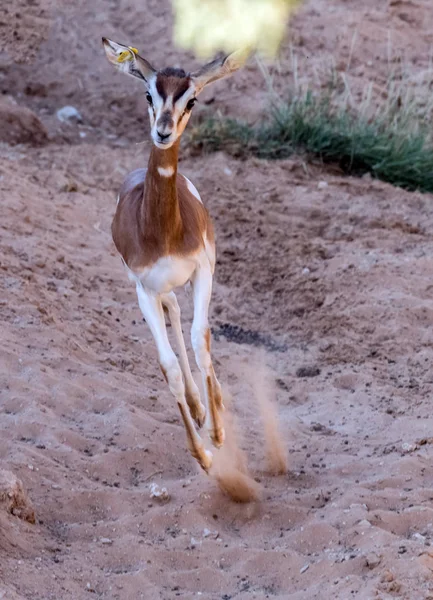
<point>322,305</point>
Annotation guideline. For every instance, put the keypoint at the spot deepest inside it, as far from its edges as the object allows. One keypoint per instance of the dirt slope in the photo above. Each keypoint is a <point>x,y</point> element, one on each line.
<point>330,275</point>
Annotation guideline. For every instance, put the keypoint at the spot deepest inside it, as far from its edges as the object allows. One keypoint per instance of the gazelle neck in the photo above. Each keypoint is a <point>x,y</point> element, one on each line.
<point>160,201</point>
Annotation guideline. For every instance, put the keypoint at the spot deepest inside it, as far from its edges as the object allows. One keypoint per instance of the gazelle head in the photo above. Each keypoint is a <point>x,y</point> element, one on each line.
<point>171,92</point>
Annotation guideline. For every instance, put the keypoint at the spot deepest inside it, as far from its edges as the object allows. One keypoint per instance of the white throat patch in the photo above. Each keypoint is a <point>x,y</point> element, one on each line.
<point>166,172</point>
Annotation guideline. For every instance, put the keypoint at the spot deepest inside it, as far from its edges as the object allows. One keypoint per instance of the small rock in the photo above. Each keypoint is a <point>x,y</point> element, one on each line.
<point>106,541</point>
<point>208,533</point>
<point>304,568</point>
<point>19,124</point>
<point>306,271</point>
<point>419,538</point>
<point>69,114</point>
<point>70,186</point>
<point>364,523</point>
<point>159,493</point>
<point>322,185</point>
<point>228,171</point>
<point>308,371</point>
<point>13,498</point>
<point>407,447</point>
<point>372,560</point>
<point>354,506</point>
<point>324,345</point>
<point>282,384</point>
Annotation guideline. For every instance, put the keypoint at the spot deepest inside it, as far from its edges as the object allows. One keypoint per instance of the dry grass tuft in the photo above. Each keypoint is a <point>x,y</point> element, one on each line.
<point>385,132</point>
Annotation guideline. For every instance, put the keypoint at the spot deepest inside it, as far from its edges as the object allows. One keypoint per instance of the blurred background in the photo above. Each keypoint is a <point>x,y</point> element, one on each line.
<point>51,57</point>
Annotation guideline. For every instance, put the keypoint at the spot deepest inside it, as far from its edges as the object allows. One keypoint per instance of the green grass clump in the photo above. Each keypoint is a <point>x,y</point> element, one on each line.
<point>393,144</point>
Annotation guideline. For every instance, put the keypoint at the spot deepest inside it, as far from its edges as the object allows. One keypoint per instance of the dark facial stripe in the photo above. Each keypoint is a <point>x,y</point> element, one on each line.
<point>180,92</point>
<point>167,85</point>
<point>160,88</point>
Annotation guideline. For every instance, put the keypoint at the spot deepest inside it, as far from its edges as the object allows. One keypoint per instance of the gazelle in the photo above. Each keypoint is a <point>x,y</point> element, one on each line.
<point>165,236</point>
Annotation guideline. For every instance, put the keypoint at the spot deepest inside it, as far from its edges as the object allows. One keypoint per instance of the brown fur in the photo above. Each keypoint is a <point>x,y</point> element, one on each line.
<point>217,432</point>
<point>172,82</point>
<point>158,216</point>
<point>194,442</point>
<point>217,391</point>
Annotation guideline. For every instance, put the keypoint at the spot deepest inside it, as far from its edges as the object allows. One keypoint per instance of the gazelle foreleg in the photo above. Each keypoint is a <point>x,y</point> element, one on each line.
<point>151,307</point>
<point>200,338</point>
<point>197,410</point>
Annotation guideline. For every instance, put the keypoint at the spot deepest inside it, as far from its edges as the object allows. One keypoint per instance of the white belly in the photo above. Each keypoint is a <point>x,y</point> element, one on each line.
<point>166,274</point>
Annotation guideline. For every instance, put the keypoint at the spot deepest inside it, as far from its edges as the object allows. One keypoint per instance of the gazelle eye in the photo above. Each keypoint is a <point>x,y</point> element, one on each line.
<point>149,98</point>
<point>190,103</point>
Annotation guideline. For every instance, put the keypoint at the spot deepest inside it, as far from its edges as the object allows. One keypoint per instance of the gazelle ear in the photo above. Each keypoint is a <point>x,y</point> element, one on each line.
<point>127,60</point>
<point>222,66</point>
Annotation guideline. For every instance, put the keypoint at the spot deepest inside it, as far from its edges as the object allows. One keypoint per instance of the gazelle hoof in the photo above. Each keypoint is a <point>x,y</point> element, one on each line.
<point>203,457</point>
<point>198,413</point>
<point>196,408</point>
<point>217,436</point>
<point>206,461</point>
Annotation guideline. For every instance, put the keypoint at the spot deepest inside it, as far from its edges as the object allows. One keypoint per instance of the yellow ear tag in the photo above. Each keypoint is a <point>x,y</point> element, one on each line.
<point>126,54</point>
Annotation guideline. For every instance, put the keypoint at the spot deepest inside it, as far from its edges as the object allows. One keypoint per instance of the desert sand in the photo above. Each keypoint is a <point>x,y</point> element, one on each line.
<point>322,318</point>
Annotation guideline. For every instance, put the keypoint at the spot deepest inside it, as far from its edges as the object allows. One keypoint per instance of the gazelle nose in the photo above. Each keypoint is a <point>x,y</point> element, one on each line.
<point>163,136</point>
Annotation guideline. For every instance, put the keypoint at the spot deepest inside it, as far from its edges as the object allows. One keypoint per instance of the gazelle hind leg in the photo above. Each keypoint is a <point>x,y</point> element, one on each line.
<point>200,337</point>
<point>151,307</point>
<point>217,390</point>
<point>196,408</point>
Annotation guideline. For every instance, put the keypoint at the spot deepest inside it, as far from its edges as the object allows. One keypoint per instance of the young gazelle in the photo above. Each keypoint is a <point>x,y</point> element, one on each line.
<point>165,236</point>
